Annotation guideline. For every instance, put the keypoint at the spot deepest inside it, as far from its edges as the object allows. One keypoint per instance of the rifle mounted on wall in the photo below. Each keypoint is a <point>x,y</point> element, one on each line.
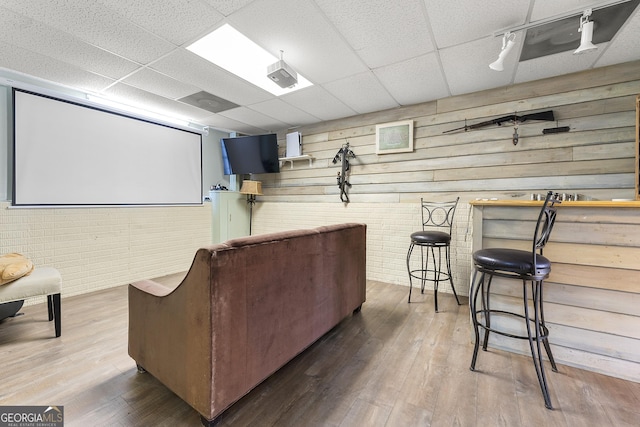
<point>546,116</point>
<point>343,155</point>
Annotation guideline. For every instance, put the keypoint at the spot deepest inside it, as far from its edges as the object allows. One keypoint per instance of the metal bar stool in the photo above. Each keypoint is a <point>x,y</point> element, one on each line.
<point>437,224</point>
<point>527,267</point>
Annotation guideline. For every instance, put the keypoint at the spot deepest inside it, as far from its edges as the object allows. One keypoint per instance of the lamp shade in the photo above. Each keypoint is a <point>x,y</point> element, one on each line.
<point>251,187</point>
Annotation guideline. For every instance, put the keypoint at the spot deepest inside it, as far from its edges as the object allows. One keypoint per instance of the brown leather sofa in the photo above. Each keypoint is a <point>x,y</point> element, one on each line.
<point>245,308</point>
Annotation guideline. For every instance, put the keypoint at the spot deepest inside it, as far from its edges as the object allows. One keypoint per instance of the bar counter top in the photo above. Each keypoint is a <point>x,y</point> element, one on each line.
<point>579,203</point>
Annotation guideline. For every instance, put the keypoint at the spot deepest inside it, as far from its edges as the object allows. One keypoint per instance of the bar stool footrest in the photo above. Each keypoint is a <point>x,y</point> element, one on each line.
<point>507,334</point>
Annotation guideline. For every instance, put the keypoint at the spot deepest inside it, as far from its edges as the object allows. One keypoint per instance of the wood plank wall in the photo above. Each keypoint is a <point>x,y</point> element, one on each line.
<point>595,158</point>
<point>593,292</point>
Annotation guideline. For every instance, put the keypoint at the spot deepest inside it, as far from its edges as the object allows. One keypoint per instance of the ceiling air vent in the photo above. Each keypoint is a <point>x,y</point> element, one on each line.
<point>208,102</point>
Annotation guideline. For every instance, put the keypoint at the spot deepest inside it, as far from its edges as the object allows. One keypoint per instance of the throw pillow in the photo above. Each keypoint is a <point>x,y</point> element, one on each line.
<point>14,266</point>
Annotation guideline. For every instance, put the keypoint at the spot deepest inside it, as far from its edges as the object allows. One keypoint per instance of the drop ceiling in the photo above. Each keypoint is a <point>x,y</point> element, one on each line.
<point>361,55</point>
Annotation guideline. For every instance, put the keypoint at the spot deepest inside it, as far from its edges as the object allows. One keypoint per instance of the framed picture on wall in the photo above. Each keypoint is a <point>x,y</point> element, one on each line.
<point>395,137</point>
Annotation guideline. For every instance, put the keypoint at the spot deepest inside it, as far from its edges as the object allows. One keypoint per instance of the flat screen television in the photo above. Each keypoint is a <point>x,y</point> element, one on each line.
<point>250,154</point>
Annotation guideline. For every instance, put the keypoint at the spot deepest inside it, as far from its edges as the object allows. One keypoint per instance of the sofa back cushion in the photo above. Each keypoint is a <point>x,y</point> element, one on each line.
<point>276,294</point>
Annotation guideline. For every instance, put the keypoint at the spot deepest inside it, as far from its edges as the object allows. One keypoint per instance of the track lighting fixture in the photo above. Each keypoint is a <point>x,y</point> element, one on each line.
<point>508,41</point>
<point>556,34</point>
<point>586,28</point>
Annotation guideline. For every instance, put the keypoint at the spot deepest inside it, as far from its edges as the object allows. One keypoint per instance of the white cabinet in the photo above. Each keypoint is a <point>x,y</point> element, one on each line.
<point>230,215</point>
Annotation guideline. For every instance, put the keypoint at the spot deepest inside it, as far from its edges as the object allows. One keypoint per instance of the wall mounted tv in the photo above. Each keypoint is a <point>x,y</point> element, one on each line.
<point>250,154</point>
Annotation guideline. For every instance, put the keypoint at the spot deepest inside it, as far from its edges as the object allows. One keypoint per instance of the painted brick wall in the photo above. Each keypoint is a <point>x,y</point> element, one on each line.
<point>389,226</point>
<point>98,248</point>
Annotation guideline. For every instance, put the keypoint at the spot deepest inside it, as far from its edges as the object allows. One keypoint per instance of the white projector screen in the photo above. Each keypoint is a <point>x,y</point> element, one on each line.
<point>66,153</point>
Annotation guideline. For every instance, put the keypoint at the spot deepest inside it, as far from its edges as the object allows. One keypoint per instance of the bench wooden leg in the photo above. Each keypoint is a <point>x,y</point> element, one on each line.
<point>53,305</point>
<point>50,306</point>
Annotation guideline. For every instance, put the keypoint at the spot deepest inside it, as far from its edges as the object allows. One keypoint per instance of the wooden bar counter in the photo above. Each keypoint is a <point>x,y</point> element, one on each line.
<point>592,297</point>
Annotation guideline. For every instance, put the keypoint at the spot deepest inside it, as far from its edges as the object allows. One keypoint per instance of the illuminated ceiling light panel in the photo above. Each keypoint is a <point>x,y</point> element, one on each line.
<point>229,49</point>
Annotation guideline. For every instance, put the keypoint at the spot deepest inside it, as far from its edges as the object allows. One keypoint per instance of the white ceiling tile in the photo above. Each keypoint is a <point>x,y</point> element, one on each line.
<point>362,92</point>
<point>554,65</point>
<point>286,113</point>
<point>543,9</point>
<point>172,20</point>
<point>144,100</point>
<point>192,69</point>
<point>467,66</point>
<point>217,121</point>
<point>26,33</point>
<point>318,102</point>
<point>152,81</point>
<point>456,22</point>
<point>403,34</point>
<point>247,115</point>
<point>227,7</point>
<point>412,81</point>
<point>97,25</point>
<point>624,46</point>
<point>43,67</point>
<point>311,46</point>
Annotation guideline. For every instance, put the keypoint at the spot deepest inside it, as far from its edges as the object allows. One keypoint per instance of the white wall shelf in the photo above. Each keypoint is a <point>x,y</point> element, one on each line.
<point>284,160</point>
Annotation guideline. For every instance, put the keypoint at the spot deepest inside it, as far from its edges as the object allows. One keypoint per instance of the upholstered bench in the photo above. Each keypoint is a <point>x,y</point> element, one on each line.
<point>41,281</point>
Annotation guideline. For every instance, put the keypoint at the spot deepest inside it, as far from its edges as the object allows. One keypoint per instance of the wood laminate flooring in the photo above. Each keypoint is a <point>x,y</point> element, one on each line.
<point>393,364</point>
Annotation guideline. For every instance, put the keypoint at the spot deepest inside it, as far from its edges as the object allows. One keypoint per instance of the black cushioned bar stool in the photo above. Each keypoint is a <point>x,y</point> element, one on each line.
<point>528,267</point>
<point>437,224</point>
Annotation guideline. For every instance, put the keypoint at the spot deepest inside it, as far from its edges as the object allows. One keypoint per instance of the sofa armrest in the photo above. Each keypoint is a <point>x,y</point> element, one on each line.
<point>152,288</point>
<point>170,333</point>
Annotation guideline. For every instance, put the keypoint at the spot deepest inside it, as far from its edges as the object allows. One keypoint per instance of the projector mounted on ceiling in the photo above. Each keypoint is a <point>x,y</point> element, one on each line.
<point>281,73</point>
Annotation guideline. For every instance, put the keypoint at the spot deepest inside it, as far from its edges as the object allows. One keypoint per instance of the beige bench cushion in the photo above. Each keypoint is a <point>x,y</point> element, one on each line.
<point>41,281</point>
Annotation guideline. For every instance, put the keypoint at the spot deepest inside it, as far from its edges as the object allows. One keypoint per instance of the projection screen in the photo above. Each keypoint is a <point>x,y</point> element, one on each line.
<point>67,153</point>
